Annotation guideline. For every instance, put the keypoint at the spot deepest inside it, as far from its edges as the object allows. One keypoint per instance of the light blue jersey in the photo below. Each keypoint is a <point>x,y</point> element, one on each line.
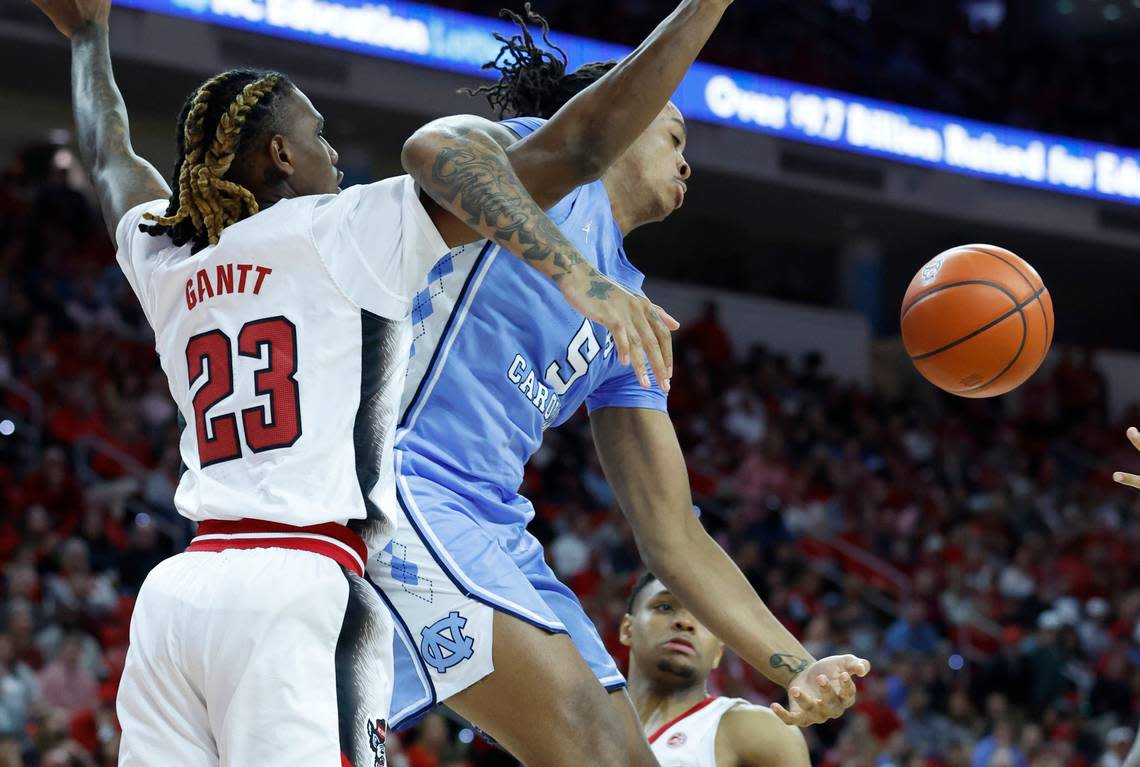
<point>498,357</point>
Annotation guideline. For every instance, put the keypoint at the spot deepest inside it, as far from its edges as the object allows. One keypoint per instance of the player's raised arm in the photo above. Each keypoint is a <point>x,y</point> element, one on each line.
<point>595,127</point>
<point>643,463</point>
<point>122,178</point>
<point>583,138</point>
<point>468,174</point>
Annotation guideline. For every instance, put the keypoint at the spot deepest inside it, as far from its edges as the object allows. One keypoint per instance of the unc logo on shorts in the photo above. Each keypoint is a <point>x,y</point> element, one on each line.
<point>443,644</point>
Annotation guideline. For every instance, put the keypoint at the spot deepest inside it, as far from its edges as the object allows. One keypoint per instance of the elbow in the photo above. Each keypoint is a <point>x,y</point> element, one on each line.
<point>420,151</point>
<point>439,148</point>
<point>669,565</point>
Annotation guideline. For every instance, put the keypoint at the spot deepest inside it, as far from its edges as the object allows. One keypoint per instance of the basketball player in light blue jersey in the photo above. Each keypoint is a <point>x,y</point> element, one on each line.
<point>500,356</point>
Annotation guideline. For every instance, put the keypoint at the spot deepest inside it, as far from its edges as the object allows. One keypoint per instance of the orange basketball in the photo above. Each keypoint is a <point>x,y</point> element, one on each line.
<point>977,321</point>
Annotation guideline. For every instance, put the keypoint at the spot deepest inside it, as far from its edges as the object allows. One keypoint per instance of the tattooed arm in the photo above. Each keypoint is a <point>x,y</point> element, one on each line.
<point>122,178</point>
<point>467,173</point>
<point>643,464</point>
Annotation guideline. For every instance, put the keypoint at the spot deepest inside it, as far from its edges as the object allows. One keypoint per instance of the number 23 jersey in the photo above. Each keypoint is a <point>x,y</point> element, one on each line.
<point>285,347</point>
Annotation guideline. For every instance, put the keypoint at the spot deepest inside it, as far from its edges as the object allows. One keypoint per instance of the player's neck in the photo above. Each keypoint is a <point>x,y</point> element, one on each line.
<point>619,194</point>
<point>657,705</point>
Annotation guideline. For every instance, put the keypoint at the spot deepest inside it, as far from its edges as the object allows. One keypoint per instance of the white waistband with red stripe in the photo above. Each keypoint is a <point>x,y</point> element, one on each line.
<point>334,541</point>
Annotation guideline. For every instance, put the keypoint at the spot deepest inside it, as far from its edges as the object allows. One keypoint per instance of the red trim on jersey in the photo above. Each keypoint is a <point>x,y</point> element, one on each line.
<point>242,534</point>
<point>661,730</point>
<point>344,761</point>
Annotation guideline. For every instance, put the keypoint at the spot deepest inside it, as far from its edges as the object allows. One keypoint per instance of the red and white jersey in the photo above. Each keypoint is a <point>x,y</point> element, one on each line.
<point>285,346</point>
<point>690,739</point>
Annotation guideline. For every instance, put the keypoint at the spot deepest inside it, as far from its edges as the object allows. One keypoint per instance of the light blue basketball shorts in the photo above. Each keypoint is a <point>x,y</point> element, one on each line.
<point>443,574</point>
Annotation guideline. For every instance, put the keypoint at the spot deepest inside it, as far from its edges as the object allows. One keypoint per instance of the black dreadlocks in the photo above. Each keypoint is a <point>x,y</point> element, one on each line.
<point>533,81</point>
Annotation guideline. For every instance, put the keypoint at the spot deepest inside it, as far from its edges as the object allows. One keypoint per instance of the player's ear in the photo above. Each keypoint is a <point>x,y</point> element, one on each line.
<point>719,655</point>
<point>624,630</point>
<point>280,156</point>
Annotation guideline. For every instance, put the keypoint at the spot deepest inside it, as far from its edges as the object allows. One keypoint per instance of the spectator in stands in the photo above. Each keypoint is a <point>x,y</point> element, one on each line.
<point>912,632</point>
<point>986,525</point>
<point>999,748</point>
<point>710,340</point>
<point>431,745</point>
<point>65,683</point>
<point>19,690</point>
<point>76,589</point>
<point>1117,744</point>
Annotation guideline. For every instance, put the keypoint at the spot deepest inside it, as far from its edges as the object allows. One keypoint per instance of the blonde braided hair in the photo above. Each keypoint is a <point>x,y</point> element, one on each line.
<point>206,202</point>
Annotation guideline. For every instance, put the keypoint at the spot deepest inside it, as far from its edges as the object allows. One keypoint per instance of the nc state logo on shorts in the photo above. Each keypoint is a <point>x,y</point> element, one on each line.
<point>377,734</point>
<point>677,739</point>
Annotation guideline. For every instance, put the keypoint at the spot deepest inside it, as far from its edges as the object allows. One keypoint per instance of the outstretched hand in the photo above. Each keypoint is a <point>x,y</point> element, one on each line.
<point>640,329</point>
<point>1123,477</point>
<point>822,691</point>
<point>70,15</point>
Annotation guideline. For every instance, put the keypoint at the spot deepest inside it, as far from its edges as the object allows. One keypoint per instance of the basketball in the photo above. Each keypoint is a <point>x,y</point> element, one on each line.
<point>977,321</point>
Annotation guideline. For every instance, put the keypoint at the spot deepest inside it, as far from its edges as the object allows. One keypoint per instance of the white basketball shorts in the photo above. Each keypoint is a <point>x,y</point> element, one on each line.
<point>253,649</point>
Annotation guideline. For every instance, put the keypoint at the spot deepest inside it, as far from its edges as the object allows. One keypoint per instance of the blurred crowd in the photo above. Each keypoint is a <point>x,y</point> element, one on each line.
<point>977,552</point>
<point>992,61</point>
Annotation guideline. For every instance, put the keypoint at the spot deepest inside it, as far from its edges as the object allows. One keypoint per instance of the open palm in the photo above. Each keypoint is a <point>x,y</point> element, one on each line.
<point>822,691</point>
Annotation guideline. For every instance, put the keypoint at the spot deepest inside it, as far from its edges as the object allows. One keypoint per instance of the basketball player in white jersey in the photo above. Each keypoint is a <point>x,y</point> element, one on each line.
<point>1131,480</point>
<point>670,658</point>
<point>280,309</point>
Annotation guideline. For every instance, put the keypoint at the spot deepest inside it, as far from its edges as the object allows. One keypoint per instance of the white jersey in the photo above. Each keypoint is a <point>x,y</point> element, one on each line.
<point>690,739</point>
<point>285,346</point>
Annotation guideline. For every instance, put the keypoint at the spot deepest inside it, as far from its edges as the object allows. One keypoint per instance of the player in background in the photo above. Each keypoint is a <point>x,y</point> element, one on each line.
<point>486,625</point>
<point>1131,480</point>
<point>280,309</point>
<point>671,655</point>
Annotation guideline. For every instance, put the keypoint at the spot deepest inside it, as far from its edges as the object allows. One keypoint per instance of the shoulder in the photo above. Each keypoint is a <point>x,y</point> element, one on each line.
<point>379,206</point>
<point>127,228</point>
<point>386,190</point>
<point>756,736</point>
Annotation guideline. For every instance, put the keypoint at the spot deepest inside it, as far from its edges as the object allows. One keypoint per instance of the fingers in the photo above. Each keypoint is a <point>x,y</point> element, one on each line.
<point>857,666</point>
<point>847,690</point>
<point>831,698</point>
<point>810,708</point>
<point>787,717</point>
<point>667,318</point>
<point>664,341</point>
<point>1124,478</point>
<point>838,695</point>
<point>652,343</point>
<point>637,355</point>
<point>621,341</point>
<point>1133,435</point>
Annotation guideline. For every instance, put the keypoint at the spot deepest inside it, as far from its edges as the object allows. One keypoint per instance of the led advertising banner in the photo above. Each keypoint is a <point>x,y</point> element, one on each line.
<point>459,42</point>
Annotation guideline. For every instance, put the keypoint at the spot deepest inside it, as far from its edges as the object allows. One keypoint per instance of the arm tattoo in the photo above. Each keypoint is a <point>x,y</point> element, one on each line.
<point>475,177</point>
<point>600,289</point>
<point>100,115</point>
<point>792,663</point>
<point>122,179</point>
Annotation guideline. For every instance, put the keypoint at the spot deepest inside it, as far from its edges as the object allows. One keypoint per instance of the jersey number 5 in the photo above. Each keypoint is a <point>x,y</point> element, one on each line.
<point>274,338</point>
